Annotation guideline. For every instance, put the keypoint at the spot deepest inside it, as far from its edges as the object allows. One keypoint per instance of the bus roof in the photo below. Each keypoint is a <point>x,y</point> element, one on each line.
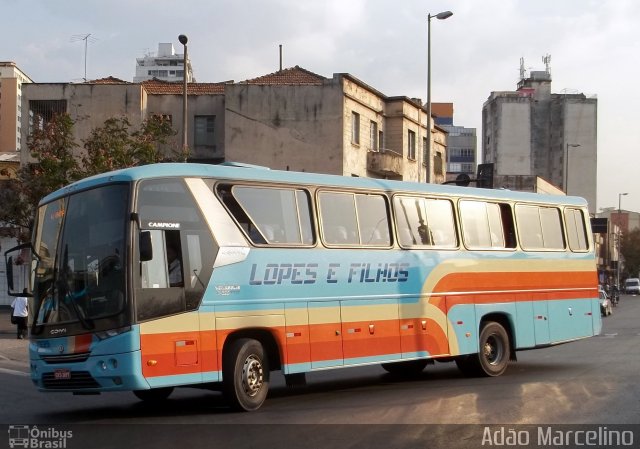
<point>248,172</point>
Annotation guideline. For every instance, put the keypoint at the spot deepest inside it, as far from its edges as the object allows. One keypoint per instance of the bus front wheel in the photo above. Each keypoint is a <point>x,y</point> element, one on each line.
<point>493,358</point>
<point>245,372</point>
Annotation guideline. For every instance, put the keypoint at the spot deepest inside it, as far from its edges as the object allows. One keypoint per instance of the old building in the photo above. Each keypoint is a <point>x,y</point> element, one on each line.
<point>291,119</point>
<point>294,119</point>
<point>531,131</point>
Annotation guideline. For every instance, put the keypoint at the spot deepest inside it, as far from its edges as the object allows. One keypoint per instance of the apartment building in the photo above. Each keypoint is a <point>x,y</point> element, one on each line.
<point>533,132</point>
<point>11,81</point>
<point>165,65</point>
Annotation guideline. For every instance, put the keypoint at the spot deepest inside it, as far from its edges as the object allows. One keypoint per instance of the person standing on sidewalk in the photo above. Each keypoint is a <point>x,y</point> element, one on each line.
<point>20,313</point>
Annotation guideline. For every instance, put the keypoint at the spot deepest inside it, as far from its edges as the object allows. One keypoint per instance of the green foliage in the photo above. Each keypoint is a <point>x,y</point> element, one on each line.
<point>52,147</point>
<point>113,146</point>
<point>630,249</point>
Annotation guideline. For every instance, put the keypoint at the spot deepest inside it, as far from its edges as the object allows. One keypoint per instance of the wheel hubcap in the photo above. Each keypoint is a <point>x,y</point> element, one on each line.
<point>252,375</point>
<point>492,350</point>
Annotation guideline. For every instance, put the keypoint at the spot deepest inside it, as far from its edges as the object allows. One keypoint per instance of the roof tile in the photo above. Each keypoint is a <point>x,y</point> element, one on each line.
<point>291,76</point>
<point>159,87</point>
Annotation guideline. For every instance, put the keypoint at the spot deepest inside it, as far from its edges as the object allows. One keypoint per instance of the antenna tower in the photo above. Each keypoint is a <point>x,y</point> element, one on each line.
<point>86,38</point>
<point>547,62</point>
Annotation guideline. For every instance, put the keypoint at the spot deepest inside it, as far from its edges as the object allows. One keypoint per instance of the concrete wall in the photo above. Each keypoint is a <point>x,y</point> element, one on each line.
<point>513,139</point>
<point>283,127</point>
<point>580,128</point>
<point>88,105</point>
<point>196,105</point>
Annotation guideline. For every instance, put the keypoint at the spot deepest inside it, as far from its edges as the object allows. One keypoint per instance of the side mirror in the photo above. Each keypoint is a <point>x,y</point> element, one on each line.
<point>19,257</point>
<point>9,272</point>
<point>146,246</point>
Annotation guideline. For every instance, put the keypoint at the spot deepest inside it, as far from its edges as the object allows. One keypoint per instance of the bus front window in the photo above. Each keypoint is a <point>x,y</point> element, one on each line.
<point>81,275</point>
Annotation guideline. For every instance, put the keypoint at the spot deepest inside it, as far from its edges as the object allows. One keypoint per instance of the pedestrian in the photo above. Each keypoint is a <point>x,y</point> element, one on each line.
<point>20,313</point>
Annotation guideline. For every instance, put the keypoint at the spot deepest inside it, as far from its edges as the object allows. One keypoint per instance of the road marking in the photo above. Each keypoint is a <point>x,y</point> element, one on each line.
<point>14,372</point>
<point>610,335</point>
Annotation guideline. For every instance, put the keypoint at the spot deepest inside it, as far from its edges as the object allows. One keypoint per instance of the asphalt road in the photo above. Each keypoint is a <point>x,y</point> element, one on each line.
<point>593,381</point>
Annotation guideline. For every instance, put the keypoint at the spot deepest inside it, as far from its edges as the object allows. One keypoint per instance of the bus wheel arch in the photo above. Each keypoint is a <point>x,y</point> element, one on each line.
<point>247,360</point>
<point>495,349</point>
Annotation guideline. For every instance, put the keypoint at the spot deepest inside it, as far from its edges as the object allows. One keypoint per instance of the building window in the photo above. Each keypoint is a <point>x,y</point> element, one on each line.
<point>355,128</point>
<point>380,139</point>
<point>437,163</point>
<point>373,135</point>
<point>411,153</point>
<point>42,112</point>
<point>204,131</point>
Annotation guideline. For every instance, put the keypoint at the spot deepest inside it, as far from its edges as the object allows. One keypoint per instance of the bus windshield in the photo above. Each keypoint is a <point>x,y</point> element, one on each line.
<point>80,245</point>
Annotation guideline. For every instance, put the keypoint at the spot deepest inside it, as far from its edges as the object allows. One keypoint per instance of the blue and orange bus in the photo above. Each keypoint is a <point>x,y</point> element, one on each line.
<point>178,275</point>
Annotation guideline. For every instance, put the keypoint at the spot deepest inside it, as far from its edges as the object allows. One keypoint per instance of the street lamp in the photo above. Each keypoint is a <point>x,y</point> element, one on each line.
<point>440,16</point>
<point>183,40</point>
<point>620,195</point>
<point>566,165</point>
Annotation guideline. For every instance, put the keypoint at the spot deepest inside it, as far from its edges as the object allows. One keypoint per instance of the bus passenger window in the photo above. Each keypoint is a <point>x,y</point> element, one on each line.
<point>425,222</point>
<point>576,230</point>
<point>486,225</point>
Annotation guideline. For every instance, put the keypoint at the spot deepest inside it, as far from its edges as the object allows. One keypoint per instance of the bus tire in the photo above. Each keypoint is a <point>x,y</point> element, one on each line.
<point>245,371</point>
<point>408,368</point>
<point>493,358</point>
<point>154,394</point>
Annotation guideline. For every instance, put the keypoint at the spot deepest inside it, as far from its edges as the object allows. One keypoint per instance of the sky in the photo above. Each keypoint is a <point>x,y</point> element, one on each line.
<point>594,48</point>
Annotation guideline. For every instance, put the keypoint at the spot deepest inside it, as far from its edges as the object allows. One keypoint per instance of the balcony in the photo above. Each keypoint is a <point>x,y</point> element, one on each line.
<point>385,162</point>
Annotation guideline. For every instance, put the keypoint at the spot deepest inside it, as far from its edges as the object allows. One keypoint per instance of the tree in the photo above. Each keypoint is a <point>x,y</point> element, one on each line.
<point>109,147</point>
<point>51,145</point>
<point>115,145</point>
<point>630,249</point>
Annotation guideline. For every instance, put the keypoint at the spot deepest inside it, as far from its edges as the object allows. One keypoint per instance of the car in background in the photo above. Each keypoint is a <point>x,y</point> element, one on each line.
<point>632,286</point>
<point>606,307</point>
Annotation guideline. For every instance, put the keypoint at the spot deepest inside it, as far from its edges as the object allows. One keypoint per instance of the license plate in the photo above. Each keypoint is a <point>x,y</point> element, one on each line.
<point>61,374</point>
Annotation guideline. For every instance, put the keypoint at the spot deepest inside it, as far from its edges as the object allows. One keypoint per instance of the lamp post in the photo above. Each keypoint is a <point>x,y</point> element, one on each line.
<point>566,165</point>
<point>183,40</point>
<point>620,195</point>
<point>440,16</point>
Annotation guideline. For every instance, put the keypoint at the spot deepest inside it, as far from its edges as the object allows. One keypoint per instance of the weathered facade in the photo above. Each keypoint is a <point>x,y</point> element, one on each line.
<point>296,120</point>
<point>292,119</point>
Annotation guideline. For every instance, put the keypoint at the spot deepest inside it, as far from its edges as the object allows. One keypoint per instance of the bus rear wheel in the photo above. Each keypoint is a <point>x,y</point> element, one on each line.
<point>245,371</point>
<point>493,358</point>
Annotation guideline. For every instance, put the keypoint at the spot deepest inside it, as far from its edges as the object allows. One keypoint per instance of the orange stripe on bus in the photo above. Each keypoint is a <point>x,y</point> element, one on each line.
<point>505,281</point>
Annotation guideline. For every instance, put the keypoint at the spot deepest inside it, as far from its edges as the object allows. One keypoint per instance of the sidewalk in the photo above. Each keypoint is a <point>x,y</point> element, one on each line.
<point>14,353</point>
